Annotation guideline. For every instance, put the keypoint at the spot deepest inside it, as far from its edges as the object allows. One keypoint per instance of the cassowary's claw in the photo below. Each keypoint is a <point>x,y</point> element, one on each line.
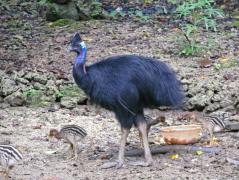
<point>119,164</point>
<point>141,163</point>
<point>109,165</point>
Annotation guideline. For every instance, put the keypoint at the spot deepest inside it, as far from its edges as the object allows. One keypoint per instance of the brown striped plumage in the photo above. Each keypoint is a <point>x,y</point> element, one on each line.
<point>8,157</point>
<point>72,134</point>
<point>211,123</point>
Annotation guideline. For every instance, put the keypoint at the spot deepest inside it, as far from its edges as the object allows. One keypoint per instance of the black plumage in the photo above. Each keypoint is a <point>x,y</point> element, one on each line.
<point>126,84</point>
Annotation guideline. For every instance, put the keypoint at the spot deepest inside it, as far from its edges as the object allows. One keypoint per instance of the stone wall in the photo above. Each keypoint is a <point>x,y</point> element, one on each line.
<point>207,94</point>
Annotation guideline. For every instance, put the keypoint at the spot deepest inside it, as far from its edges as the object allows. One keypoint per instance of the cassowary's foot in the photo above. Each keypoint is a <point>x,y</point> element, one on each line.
<point>141,163</point>
<point>116,164</point>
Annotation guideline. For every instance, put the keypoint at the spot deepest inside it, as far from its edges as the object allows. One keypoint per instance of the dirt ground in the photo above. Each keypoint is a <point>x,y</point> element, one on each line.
<point>44,49</point>
<point>47,159</point>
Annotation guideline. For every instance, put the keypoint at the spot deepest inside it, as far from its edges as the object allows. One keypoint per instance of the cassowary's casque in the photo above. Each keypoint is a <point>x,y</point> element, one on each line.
<point>126,85</point>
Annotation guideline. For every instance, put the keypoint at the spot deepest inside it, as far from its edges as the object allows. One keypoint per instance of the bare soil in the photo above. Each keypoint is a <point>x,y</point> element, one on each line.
<point>45,158</point>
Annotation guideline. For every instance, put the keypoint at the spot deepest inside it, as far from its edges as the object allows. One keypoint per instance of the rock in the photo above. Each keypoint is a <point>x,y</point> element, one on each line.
<point>1,99</point>
<point>61,1</point>
<point>15,99</point>
<point>68,102</point>
<point>59,82</point>
<point>194,90</point>
<point>40,78</point>
<point>225,102</point>
<point>213,107</point>
<point>46,101</point>
<point>32,76</point>
<point>198,102</point>
<point>29,76</point>
<point>186,81</point>
<point>61,11</point>
<point>21,80</point>
<point>51,88</point>
<point>38,86</point>
<point>7,87</point>
<point>4,105</point>
<point>21,73</point>
<point>217,97</point>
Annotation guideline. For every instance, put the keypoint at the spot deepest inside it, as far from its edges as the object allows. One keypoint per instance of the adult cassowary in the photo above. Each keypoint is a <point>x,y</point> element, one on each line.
<point>126,85</point>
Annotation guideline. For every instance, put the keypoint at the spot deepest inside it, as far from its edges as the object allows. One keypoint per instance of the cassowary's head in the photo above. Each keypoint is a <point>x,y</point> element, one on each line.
<point>76,44</point>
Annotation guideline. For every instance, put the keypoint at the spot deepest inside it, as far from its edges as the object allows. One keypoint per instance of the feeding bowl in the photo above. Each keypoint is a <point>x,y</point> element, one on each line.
<point>184,134</point>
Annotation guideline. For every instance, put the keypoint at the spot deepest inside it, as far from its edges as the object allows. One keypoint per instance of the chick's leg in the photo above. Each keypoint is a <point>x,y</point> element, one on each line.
<point>7,173</point>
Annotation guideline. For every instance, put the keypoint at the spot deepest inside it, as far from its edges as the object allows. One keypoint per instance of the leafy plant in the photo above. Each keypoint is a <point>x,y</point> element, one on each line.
<point>60,94</point>
<point>30,93</point>
<point>139,14</point>
<point>96,8</point>
<point>118,13</point>
<point>196,14</point>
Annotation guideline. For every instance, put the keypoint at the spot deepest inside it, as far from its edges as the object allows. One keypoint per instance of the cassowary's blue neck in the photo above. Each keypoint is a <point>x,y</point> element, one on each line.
<point>81,57</point>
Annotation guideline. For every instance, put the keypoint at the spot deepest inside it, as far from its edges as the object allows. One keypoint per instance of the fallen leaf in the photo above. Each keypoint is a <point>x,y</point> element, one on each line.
<point>19,37</point>
<point>205,63</point>
<point>50,152</point>
<point>38,126</point>
<point>223,59</point>
<point>174,156</point>
<point>106,156</point>
<point>159,140</point>
<point>199,152</point>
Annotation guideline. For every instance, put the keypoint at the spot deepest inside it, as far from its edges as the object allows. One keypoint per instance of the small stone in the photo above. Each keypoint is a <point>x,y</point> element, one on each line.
<point>8,86</point>
<point>4,105</point>
<point>22,80</point>
<point>68,102</point>
<point>38,86</point>
<point>1,99</point>
<point>15,99</point>
<point>40,78</point>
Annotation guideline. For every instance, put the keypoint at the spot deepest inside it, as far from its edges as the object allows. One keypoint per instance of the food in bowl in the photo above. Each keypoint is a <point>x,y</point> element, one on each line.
<point>182,135</point>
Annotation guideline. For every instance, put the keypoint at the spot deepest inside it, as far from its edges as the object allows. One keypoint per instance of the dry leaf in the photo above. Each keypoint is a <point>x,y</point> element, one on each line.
<point>223,59</point>
<point>205,63</point>
<point>50,152</point>
<point>174,156</point>
<point>199,152</point>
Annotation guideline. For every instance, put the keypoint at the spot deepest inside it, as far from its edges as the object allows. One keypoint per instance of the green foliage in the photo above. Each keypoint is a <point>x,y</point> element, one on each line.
<point>197,14</point>
<point>235,24</point>
<point>30,93</point>
<point>225,63</point>
<point>139,14</point>
<point>61,23</point>
<point>190,49</point>
<point>60,94</point>
<point>147,2</point>
<point>96,9</point>
<point>117,14</point>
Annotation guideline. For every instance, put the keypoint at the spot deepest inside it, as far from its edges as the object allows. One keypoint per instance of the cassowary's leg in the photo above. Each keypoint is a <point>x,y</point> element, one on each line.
<point>142,126</point>
<point>124,135</point>
<point>120,162</point>
<point>143,131</point>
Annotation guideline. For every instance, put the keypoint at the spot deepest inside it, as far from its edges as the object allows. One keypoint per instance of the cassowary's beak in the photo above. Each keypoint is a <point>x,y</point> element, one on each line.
<point>69,49</point>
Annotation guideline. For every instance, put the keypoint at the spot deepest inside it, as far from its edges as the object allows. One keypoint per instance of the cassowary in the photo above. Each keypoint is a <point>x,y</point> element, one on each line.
<point>126,85</point>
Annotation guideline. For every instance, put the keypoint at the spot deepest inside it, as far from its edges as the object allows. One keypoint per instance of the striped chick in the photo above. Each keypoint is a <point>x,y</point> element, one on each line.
<point>212,123</point>
<point>72,134</point>
<point>9,156</point>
